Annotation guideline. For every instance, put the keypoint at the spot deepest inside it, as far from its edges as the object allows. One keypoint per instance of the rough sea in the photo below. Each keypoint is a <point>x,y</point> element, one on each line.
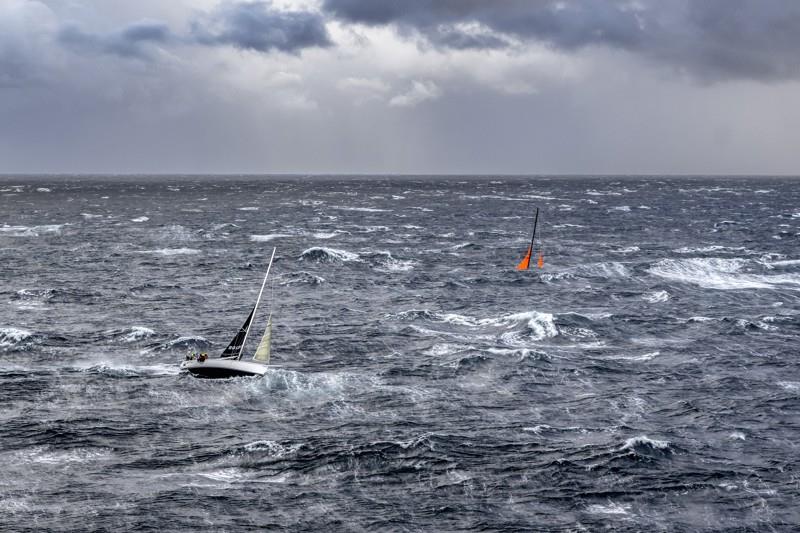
<point>646,379</point>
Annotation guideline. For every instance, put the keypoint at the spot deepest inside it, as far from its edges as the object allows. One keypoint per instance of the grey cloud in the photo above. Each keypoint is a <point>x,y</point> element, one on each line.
<point>711,39</point>
<point>256,26</point>
<point>131,41</point>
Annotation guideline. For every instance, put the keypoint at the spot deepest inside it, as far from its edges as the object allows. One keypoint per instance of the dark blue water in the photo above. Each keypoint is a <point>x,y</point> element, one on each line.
<point>646,378</point>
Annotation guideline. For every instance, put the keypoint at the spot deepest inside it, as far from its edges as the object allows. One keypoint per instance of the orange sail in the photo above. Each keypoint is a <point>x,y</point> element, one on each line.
<point>526,261</point>
<point>540,262</point>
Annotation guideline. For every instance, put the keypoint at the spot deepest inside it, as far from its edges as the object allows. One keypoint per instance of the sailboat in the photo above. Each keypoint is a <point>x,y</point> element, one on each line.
<point>229,364</point>
<point>526,261</point>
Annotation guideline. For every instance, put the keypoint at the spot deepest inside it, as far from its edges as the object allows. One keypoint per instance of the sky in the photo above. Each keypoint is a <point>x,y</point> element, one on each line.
<point>413,86</point>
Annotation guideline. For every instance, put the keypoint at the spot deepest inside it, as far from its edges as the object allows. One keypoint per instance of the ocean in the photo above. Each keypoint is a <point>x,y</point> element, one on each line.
<point>646,378</point>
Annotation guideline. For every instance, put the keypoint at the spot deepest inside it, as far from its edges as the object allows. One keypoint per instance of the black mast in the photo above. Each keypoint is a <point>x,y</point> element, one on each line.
<point>535,222</point>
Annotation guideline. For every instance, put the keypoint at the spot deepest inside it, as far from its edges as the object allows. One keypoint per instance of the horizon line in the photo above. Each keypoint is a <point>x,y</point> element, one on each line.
<point>393,174</point>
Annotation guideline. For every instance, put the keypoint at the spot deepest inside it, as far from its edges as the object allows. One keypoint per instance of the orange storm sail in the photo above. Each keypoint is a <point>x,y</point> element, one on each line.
<point>526,261</point>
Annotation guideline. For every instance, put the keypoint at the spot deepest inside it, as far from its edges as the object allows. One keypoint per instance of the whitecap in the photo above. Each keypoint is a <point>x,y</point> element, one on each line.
<point>248,208</point>
<point>137,333</point>
<point>540,325</point>
<point>171,251</point>
<point>140,219</point>
<point>718,273</point>
<point>13,336</point>
<point>792,386</point>
<point>642,357</point>
<point>643,441</point>
<point>708,249</point>
<point>656,297</point>
<point>610,508</point>
<point>273,449</point>
<point>627,250</point>
<point>360,209</point>
<point>30,231</point>
<point>268,237</point>
<point>42,189</point>
<point>51,456</point>
<point>320,254</point>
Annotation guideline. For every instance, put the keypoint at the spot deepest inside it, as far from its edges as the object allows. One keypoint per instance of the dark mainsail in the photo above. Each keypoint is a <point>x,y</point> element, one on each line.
<point>235,346</point>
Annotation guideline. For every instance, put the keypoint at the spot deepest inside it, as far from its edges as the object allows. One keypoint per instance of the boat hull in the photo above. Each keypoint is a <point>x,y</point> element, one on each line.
<point>223,368</point>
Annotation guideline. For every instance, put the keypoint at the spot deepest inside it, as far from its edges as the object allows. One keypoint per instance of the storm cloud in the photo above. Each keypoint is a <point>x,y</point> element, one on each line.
<point>131,41</point>
<point>256,26</point>
<point>413,86</point>
<point>712,39</point>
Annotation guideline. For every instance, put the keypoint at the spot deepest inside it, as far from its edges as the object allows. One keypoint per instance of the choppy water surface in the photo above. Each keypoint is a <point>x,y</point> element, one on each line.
<point>646,378</point>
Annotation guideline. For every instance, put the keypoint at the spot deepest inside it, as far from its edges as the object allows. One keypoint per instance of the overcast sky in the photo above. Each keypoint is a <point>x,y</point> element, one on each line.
<point>390,86</point>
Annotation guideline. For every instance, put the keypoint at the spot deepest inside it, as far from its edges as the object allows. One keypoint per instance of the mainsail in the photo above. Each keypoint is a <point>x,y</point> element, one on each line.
<point>262,353</point>
<point>237,343</point>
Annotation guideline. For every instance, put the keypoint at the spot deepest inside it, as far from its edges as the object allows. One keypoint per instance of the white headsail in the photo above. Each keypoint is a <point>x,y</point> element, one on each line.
<point>262,353</point>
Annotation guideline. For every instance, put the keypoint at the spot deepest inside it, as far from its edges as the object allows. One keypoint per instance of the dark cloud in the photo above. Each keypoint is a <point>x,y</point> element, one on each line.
<point>712,39</point>
<point>257,26</point>
<point>131,41</point>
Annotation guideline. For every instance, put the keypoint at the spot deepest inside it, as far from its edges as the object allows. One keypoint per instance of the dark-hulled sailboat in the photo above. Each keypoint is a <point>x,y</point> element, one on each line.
<point>229,364</point>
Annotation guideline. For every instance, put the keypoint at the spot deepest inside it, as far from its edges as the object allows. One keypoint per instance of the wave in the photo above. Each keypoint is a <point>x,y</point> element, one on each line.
<point>171,251</point>
<point>138,333</point>
<point>175,233</point>
<point>643,357</point>
<point>719,273</point>
<point>273,449</point>
<point>611,508</point>
<point>329,234</point>
<point>516,329</point>
<point>644,445</point>
<point>184,343</point>
<point>320,254</point>
<point>268,237</point>
<point>709,249</point>
<point>124,371</point>
<point>656,297</point>
<point>293,278</point>
<point>140,219</point>
<point>14,338</point>
<point>360,209</point>
<point>627,250</point>
<point>55,295</point>
<point>304,383</point>
<point>386,262</point>
<point>51,456</point>
<point>31,231</point>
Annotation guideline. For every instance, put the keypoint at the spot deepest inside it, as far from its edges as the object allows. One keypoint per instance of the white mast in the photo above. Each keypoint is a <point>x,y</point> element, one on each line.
<point>256,307</point>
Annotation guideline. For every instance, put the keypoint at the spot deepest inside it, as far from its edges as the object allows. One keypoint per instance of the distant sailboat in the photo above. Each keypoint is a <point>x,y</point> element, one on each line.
<point>229,363</point>
<point>526,261</point>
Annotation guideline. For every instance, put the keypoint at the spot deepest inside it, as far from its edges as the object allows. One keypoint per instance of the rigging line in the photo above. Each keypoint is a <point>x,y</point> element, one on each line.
<point>247,331</point>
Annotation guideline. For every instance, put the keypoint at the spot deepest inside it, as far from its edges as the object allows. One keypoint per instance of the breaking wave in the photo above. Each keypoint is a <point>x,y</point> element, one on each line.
<point>319,254</point>
<point>14,338</point>
<point>718,273</point>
